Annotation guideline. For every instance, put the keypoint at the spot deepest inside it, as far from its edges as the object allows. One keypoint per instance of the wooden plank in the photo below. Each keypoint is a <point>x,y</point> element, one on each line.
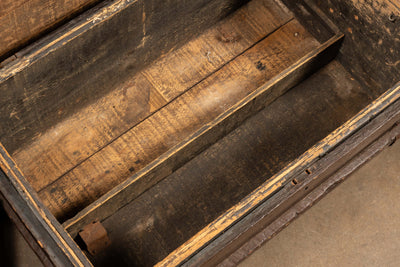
<point>205,136</point>
<point>56,244</point>
<point>186,201</point>
<point>86,58</point>
<point>266,190</point>
<point>24,20</point>
<point>84,133</point>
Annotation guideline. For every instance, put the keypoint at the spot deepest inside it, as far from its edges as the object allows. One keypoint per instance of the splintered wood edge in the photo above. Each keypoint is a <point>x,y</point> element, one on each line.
<point>262,193</point>
<point>62,36</point>
<point>47,220</point>
<point>208,134</point>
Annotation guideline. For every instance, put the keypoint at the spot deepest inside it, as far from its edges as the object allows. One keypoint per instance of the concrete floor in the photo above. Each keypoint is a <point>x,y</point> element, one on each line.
<point>357,224</point>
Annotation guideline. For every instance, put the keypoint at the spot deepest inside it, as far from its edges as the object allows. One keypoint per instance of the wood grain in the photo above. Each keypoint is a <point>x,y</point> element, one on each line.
<point>166,128</point>
<point>89,56</point>
<point>24,20</point>
<point>74,140</point>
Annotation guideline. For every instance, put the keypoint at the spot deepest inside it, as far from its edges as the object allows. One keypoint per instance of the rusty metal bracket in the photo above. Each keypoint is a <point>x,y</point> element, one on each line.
<point>95,237</point>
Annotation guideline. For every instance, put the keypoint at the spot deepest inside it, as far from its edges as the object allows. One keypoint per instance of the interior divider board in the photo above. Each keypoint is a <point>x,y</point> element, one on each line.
<point>298,167</point>
<point>208,134</point>
<point>84,133</point>
<point>169,126</point>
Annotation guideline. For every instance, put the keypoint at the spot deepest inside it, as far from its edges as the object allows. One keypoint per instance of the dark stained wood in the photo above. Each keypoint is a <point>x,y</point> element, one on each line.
<point>24,20</point>
<point>279,180</point>
<point>315,21</point>
<point>74,140</point>
<point>371,50</point>
<point>196,194</point>
<point>179,120</point>
<point>87,57</point>
<point>33,219</point>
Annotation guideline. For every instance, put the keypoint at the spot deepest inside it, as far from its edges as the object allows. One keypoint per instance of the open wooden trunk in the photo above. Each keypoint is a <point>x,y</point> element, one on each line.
<point>190,132</point>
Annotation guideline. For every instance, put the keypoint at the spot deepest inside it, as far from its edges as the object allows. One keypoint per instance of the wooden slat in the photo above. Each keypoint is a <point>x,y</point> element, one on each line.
<point>23,20</point>
<point>208,134</point>
<point>80,136</point>
<point>267,189</point>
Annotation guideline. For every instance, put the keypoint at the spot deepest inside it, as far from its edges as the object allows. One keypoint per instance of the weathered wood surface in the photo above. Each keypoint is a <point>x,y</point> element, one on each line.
<point>24,20</point>
<point>34,220</point>
<point>313,19</point>
<point>190,198</point>
<point>371,50</point>
<point>91,129</point>
<point>179,121</point>
<point>273,185</point>
<point>89,56</point>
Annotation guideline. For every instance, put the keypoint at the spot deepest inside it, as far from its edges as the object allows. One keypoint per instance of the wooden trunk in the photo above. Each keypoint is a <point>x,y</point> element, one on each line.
<point>187,132</point>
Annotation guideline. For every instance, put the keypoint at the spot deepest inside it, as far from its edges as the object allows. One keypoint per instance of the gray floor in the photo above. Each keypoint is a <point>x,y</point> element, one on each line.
<point>357,224</point>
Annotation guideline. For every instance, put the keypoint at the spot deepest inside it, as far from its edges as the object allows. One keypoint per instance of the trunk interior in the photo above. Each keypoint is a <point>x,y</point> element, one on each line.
<point>177,111</point>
